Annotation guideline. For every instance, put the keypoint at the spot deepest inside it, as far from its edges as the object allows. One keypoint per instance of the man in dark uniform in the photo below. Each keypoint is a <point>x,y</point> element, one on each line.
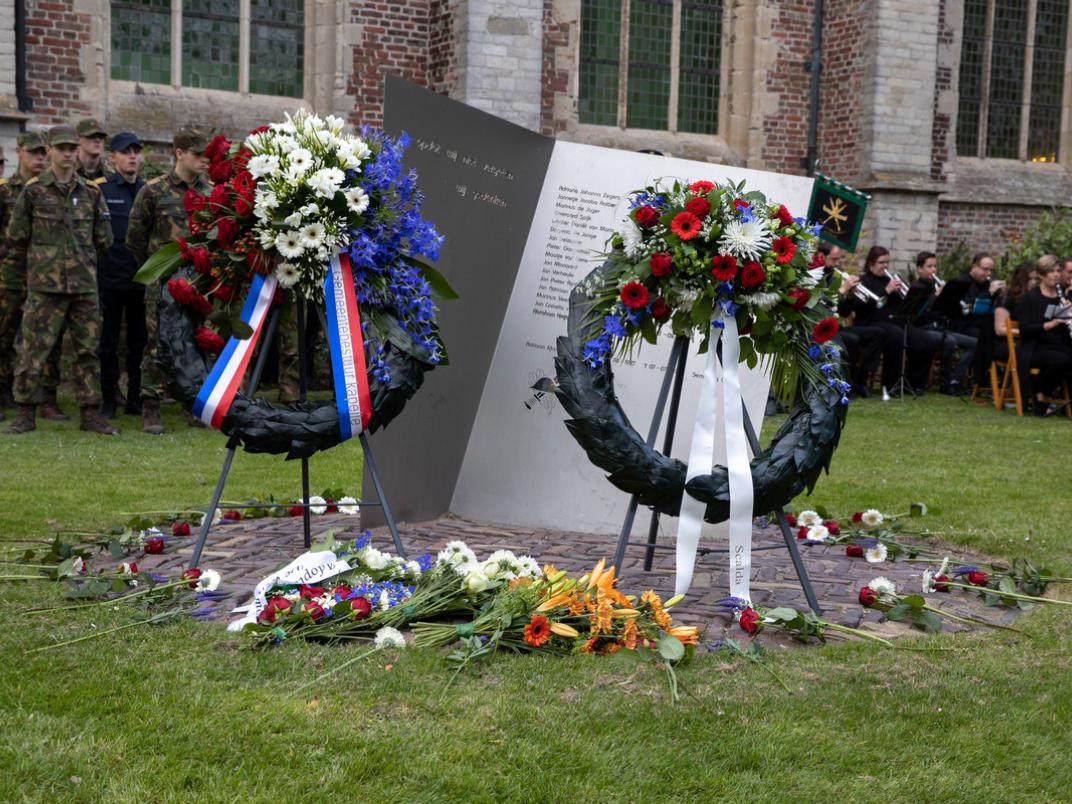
<point>91,165</point>
<point>32,152</point>
<point>59,227</point>
<point>158,217</point>
<point>120,296</point>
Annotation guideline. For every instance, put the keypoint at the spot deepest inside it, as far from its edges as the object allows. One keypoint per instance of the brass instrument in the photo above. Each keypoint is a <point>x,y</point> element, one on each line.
<point>1061,304</point>
<point>902,286</point>
<point>862,293</point>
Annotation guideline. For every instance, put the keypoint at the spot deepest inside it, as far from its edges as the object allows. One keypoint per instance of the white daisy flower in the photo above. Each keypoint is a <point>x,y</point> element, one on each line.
<point>527,567</point>
<point>318,505</point>
<point>871,518</point>
<point>388,637</point>
<point>289,244</point>
<point>357,200</point>
<point>746,241</point>
<point>882,586</point>
<point>299,161</point>
<point>312,236</point>
<point>263,165</point>
<point>818,533</point>
<point>876,554</point>
<point>809,519</point>
<point>348,506</point>
<point>209,581</point>
<point>325,182</point>
<point>288,274</point>
<point>286,144</point>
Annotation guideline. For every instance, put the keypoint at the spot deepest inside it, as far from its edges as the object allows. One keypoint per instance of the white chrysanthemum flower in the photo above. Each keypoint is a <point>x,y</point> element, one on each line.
<point>209,581</point>
<point>876,554</point>
<point>763,300</point>
<point>632,239</point>
<point>747,241</point>
<point>871,518</point>
<point>375,559</point>
<point>263,165</point>
<point>808,519</point>
<point>413,569</point>
<point>527,567</point>
<point>299,161</point>
<point>312,236</point>
<point>818,533</point>
<point>388,637</point>
<point>326,182</point>
<point>348,506</point>
<point>500,565</point>
<point>267,199</point>
<point>289,244</point>
<point>883,586</point>
<point>357,200</point>
<point>318,505</point>
<point>457,554</point>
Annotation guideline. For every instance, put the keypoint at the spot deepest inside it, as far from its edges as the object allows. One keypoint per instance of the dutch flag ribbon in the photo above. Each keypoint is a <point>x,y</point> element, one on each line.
<point>347,348</point>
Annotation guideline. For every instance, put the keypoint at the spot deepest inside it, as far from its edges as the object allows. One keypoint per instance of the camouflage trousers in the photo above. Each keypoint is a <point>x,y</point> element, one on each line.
<point>153,381</point>
<point>43,322</point>
<point>11,304</point>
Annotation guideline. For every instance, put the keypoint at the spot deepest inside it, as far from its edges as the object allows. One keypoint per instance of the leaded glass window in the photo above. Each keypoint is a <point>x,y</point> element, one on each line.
<point>1012,79</point>
<point>277,47</point>
<point>141,41</point>
<point>651,64</point>
<point>210,44</point>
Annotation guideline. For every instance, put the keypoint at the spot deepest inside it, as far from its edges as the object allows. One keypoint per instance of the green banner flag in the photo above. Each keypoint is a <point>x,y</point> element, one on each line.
<point>839,209</point>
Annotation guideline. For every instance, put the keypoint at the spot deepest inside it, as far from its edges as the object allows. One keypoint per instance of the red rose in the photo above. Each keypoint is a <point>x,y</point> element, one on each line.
<point>220,198</point>
<point>193,202</point>
<point>832,526</point>
<point>217,148</point>
<point>191,575</point>
<point>180,529</point>
<point>208,341</point>
<point>854,550</point>
<point>724,267</point>
<point>132,568</point>
<point>685,225</point>
<point>314,609</point>
<point>750,621</point>
<point>858,516</point>
<point>791,520</point>
<point>739,204</point>
<point>702,187</point>
<point>752,276</point>
<point>309,592</point>
<point>747,328</point>
<point>634,295</point>
<point>798,297</point>
<point>661,264</point>
<point>868,596</point>
<point>977,578</point>
<point>332,508</point>
<point>360,608</point>
<point>818,260</point>
<point>242,207</point>
<point>698,206</point>
<point>824,331</point>
<point>234,516</point>
<point>226,232</point>
<point>784,249</point>
<point>275,605</point>
<point>802,533</point>
<point>660,310</point>
<point>783,216</point>
<point>646,216</point>
<point>154,544</point>
<point>296,510</point>
<point>941,587</point>
<point>342,590</point>
<point>224,293</point>
<point>201,259</point>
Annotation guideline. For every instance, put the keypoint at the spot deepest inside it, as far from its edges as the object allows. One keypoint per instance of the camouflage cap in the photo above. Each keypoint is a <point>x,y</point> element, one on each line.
<point>90,127</point>
<point>32,140</point>
<point>189,139</point>
<point>62,135</point>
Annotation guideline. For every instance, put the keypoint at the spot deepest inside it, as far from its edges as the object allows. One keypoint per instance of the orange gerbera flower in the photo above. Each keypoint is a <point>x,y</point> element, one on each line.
<point>538,630</point>
<point>651,598</point>
<point>576,605</point>
<point>591,646</point>
<point>601,619</point>
<point>663,620</point>
<point>629,634</point>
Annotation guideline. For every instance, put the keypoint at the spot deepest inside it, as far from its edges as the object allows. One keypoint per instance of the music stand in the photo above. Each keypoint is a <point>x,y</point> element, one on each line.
<point>911,309</point>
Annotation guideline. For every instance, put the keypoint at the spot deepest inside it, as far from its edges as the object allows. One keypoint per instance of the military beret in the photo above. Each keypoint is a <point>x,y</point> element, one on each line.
<point>62,135</point>
<point>32,140</point>
<point>89,127</point>
<point>189,139</point>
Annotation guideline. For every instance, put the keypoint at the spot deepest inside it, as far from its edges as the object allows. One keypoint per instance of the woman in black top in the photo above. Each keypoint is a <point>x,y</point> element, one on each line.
<point>1046,341</point>
<point>1023,279</point>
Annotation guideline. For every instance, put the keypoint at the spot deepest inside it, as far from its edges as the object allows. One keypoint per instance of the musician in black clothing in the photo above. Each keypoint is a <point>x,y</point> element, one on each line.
<point>1046,342</point>
<point>1023,279</point>
<point>863,345</point>
<point>976,291</point>
<point>934,334</point>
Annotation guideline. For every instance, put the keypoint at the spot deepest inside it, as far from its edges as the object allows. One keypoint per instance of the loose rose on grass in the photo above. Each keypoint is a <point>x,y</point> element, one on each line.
<point>154,545</point>
<point>181,528</point>
<point>750,621</point>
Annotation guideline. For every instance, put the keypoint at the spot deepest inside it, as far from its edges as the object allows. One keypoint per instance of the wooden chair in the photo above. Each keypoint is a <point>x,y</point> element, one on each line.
<point>1010,379</point>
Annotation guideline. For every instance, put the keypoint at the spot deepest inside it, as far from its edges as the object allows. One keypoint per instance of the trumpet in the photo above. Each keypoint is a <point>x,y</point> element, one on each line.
<point>902,286</point>
<point>939,283</point>
<point>862,293</point>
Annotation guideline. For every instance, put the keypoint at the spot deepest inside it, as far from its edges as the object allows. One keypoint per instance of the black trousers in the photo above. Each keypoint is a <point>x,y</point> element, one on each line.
<point>117,306</point>
<point>863,345</point>
<point>1055,366</point>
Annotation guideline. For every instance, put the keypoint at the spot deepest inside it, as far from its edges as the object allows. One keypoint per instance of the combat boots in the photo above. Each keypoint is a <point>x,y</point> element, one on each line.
<point>150,417</point>
<point>93,422</point>
<point>25,421</point>
<point>50,409</point>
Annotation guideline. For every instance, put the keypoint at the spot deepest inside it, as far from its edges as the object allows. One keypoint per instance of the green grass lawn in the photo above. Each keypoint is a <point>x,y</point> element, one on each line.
<point>182,712</point>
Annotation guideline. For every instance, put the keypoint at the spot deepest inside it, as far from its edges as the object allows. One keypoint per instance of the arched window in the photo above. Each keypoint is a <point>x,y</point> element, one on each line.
<point>651,64</point>
<point>1012,79</point>
<point>237,45</point>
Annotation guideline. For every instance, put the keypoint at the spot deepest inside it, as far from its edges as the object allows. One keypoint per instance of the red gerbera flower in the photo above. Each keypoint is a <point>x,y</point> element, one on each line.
<point>698,207</point>
<point>538,630</point>
<point>784,248</point>
<point>724,267</point>
<point>685,225</point>
<point>661,264</point>
<point>752,276</point>
<point>702,186</point>
<point>634,295</point>
<point>783,216</point>
<point>825,330</point>
<point>660,310</point>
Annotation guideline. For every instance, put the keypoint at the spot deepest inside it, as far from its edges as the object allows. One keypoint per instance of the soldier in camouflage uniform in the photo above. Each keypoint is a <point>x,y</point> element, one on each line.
<point>59,227</point>
<point>32,152</point>
<point>91,164</point>
<point>158,217</point>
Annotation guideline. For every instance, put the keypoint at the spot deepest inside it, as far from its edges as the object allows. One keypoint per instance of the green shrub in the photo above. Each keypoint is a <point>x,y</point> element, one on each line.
<point>1049,233</point>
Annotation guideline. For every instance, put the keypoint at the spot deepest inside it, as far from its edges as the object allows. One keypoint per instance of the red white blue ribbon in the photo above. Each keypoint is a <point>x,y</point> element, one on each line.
<point>216,395</point>
<point>347,348</point>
